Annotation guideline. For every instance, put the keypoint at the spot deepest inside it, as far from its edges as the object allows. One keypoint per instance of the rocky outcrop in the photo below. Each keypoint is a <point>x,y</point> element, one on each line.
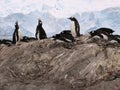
<point>53,65</point>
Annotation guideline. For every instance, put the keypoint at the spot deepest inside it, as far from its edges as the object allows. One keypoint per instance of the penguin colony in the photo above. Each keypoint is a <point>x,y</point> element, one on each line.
<point>65,35</point>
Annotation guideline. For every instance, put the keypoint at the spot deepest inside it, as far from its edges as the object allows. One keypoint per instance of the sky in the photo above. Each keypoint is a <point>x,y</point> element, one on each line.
<point>58,8</point>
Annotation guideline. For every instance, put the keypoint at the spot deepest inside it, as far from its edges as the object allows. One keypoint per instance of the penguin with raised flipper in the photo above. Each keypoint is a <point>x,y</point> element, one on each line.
<point>74,27</point>
<point>40,32</point>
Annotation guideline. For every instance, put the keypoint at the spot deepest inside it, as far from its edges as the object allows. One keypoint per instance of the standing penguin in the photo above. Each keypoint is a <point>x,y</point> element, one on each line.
<point>40,32</point>
<point>16,34</point>
<point>75,27</point>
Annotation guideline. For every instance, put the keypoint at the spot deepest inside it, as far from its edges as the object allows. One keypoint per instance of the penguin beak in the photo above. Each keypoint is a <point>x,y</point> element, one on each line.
<point>69,18</point>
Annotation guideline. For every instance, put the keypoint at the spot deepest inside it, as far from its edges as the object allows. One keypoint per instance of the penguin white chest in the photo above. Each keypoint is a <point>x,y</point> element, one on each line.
<point>72,27</point>
<point>105,36</point>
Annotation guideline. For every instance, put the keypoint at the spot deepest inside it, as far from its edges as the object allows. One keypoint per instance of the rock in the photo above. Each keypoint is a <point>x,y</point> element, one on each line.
<point>52,65</point>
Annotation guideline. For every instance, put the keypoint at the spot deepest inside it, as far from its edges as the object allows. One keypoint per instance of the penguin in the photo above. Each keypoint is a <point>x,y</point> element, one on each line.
<point>16,34</point>
<point>96,35</point>
<point>105,37</point>
<point>106,31</point>
<point>102,33</point>
<point>65,36</point>
<point>114,38</point>
<point>75,27</point>
<point>40,32</point>
<point>28,39</point>
<point>66,32</point>
<point>6,42</point>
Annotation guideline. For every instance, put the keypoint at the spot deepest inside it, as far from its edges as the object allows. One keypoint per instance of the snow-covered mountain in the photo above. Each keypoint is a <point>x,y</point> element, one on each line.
<point>88,21</point>
<point>28,23</point>
<point>59,8</point>
<point>106,18</point>
<point>7,25</point>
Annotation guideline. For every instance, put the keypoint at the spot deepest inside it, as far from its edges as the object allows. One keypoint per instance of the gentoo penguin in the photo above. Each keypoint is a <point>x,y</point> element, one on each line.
<point>65,36</point>
<point>92,34</point>
<point>66,32</point>
<point>28,39</point>
<point>102,33</point>
<point>16,34</point>
<point>40,32</point>
<point>75,27</point>
<point>106,31</point>
<point>114,38</point>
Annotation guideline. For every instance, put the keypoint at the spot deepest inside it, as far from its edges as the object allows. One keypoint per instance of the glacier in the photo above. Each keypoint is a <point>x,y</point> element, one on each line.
<point>88,21</point>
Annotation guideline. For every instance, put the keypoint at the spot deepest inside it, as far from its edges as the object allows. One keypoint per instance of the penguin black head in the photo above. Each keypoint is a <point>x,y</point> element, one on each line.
<point>39,21</point>
<point>72,18</point>
<point>16,22</point>
<point>16,25</point>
